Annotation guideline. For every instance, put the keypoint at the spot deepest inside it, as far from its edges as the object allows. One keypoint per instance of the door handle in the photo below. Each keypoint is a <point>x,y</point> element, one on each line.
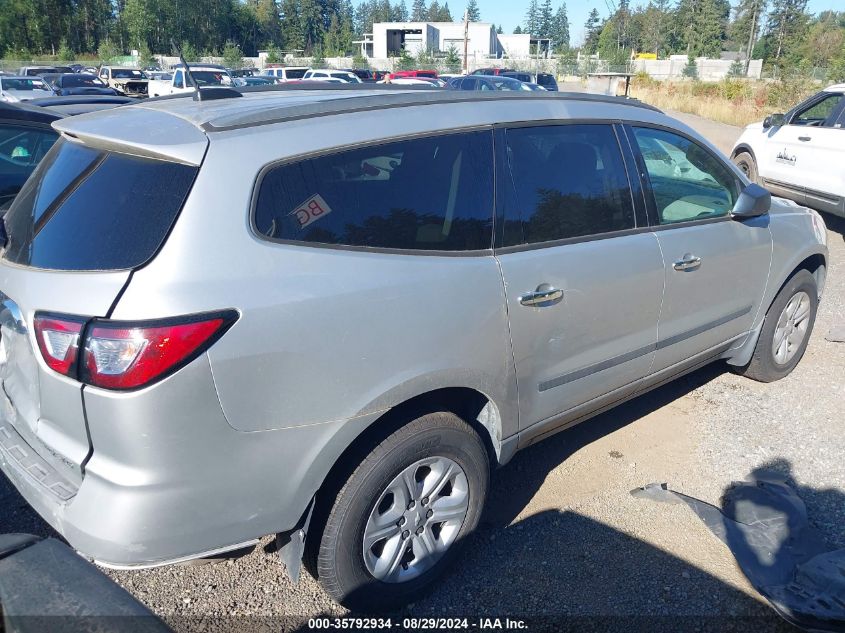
<point>544,295</point>
<point>805,138</point>
<point>689,262</point>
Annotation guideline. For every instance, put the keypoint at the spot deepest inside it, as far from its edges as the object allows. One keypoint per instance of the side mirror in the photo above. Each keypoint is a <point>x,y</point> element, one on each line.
<point>753,201</point>
<point>774,120</point>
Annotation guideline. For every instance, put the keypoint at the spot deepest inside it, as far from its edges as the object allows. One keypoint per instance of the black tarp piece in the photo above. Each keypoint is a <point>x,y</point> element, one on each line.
<point>46,586</point>
<point>764,524</point>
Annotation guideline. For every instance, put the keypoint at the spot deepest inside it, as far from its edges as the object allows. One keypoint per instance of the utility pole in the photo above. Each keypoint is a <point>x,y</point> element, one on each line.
<point>751,37</point>
<point>466,40</point>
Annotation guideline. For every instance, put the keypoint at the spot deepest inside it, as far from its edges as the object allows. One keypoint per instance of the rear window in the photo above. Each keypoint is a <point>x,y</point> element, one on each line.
<point>419,194</point>
<point>76,81</point>
<point>125,73</point>
<point>296,74</point>
<point>85,209</point>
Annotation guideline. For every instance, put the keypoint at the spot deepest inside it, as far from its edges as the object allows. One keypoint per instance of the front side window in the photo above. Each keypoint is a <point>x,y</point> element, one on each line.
<point>688,182</point>
<point>817,113</point>
<point>569,181</point>
<point>420,194</point>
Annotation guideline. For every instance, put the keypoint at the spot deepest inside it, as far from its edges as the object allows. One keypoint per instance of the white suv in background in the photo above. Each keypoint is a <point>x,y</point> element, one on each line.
<point>800,154</point>
<point>287,73</point>
<point>322,74</point>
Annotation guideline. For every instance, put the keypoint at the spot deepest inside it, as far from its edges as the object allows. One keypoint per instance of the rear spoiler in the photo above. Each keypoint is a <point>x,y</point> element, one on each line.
<point>138,131</point>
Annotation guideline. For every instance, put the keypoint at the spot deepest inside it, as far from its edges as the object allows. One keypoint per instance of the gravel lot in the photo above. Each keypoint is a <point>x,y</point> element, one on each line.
<point>562,536</point>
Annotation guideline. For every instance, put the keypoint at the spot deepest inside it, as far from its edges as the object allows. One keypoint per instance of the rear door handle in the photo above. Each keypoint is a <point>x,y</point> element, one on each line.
<point>805,138</point>
<point>689,262</point>
<point>544,295</point>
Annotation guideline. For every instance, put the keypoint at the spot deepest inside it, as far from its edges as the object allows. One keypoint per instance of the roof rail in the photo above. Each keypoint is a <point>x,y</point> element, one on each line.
<point>391,97</point>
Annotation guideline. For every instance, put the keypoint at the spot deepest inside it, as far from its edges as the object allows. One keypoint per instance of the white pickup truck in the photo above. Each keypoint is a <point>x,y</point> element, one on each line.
<point>203,74</point>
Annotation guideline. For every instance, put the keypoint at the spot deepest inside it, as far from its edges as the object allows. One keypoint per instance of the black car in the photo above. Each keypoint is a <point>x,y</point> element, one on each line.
<point>488,82</point>
<point>77,84</point>
<point>492,71</point>
<point>242,72</point>
<point>26,135</point>
<point>519,76</point>
<point>364,74</point>
<point>547,80</point>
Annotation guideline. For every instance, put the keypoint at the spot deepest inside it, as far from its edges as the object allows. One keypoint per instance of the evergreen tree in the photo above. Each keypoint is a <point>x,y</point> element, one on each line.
<point>419,12</point>
<point>655,25</point>
<point>473,12</point>
<point>532,18</point>
<point>233,56</point>
<point>363,22</point>
<point>452,60</point>
<point>787,24</point>
<point>746,27</point>
<point>292,34</point>
<point>592,31</point>
<point>311,24</point>
<point>400,12</point>
<point>499,30</point>
<point>436,12</point>
<point>545,20</point>
<point>445,14</point>
<point>517,30</point>
<point>267,20</point>
<point>703,26</point>
<point>560,29</point>
<point>691,69</point>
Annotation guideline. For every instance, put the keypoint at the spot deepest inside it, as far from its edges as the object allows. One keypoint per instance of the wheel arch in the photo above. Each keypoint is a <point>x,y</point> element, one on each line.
<point>744,147</point>
<point>816,265</point>
<point>473,406</point>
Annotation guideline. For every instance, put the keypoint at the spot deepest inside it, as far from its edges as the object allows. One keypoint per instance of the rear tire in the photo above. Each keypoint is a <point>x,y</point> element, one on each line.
<point>382,544</point>
<point>747,165</point>
<point>786,330</point>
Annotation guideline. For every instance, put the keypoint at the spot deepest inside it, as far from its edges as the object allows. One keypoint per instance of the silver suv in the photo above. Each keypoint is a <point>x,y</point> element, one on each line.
<point>328,314</point>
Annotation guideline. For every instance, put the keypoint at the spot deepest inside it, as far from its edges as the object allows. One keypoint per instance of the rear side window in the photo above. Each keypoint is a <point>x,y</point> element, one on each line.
<point>85,209</point>
<point>419,194</point>
<point>568,181</point>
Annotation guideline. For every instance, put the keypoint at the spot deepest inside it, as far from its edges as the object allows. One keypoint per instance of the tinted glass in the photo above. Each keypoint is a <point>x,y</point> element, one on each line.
<point>22,84</point>
<point>817,114</point>
<point>422,194</point>
<point>88,210</point>
<point>689,183</point>
<point>569,181</point>
<point>21,149</point>
<point>126,73</point>
<point>74,81</point>
<point>295,74</point>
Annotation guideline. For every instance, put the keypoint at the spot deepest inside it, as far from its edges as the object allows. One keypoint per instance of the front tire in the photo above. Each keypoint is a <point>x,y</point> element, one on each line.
<point>402,515</point>
<point>786,330</point>
<point>747,165</point>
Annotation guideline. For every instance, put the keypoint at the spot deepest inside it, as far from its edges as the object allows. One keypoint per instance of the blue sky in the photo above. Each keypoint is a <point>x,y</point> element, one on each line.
<point>509,13</point>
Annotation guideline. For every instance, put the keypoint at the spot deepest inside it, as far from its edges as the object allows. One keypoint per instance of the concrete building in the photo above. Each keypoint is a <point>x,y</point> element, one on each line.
<point>391,38</point>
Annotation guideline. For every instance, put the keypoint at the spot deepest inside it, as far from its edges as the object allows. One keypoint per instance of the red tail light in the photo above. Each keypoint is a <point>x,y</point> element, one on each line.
<point>58,340</point>
<point>125,355</point>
